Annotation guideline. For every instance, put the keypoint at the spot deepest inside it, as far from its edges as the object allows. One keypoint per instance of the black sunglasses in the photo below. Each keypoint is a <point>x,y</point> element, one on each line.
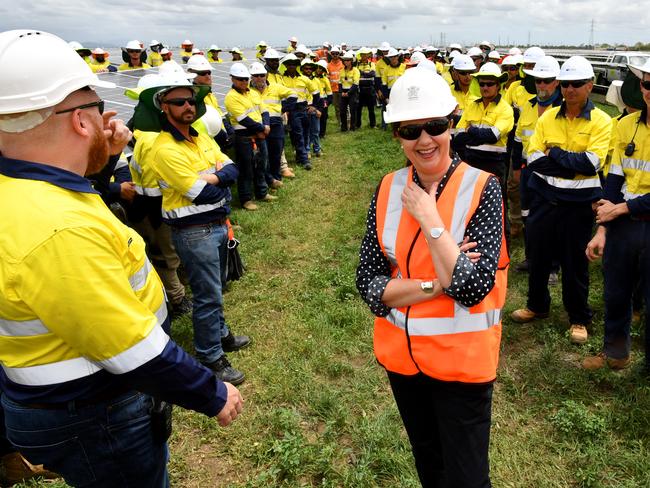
<point>545,81</point>
<point>239,78</point>
<point>464,73</point>
<point>179,102</point>
<point>261,75</point>
<point>133,51</point>
<point>509,68</point>
<point>486,83</point>
<point>99,104</point>
<point>645,84</point>
<point>433,127</point>
<point>573,83</point>
<point>203,73</point>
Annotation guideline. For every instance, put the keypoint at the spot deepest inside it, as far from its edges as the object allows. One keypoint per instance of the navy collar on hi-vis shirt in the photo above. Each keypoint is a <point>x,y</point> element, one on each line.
<point>495,101</point>
<point>168,127</point>
<point>27,170</point>
<point>585,113</point>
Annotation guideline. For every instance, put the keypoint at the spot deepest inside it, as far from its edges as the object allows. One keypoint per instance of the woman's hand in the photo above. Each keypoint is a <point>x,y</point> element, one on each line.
<point>465,247</point>
<point>422,205</point>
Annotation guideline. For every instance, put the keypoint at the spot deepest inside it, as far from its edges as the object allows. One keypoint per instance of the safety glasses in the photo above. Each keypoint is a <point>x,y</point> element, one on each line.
<point>261,75</point>
<point>544,81</point>
<point>134,51</point>
<point>99,104</point>
<point>573,83</point>
<point>179,102</point>
<point>239,78</point>
<point>434,127</point>
<point>509,68</point>
<point>646,84</point>
<point>486,83</point>
<point>203,73</point>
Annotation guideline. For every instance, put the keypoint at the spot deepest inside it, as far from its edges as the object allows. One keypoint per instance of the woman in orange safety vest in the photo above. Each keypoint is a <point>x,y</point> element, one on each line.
<point>433,271</point>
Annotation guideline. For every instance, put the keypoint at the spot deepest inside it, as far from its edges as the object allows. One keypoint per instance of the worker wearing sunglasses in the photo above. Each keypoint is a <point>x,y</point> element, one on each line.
<point>482,133</point>
<point>411,261</point>
<point>566,152</point>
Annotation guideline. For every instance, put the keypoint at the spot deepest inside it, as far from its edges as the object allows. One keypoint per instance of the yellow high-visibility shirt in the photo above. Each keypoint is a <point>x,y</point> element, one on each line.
<point>240,106</point>
<point>127,66</point>
<point>142,173</point>
<point>212,59</point>
<point>272,97</point>
<point>635,168</point>
<point>300,85</point>
<point>497,116</point>
<point>390,74</point>
<point>349,78</point>
<point>154,59</point>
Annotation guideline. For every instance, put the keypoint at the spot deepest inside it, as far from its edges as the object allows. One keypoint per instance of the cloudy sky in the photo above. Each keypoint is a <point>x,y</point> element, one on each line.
<point>401,22</point>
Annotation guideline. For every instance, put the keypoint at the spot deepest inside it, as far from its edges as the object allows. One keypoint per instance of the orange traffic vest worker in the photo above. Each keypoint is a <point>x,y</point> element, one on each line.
<point>440,337</point>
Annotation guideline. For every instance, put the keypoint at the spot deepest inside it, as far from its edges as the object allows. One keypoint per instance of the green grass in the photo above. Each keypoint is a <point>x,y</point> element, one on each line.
<point>318,409</point>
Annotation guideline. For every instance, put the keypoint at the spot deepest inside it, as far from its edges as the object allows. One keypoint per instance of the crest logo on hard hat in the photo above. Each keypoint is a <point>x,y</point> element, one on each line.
<point>413,92</point>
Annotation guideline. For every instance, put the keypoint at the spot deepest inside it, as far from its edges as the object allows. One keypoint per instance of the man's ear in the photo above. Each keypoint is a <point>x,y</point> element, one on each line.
<point>80,123</point>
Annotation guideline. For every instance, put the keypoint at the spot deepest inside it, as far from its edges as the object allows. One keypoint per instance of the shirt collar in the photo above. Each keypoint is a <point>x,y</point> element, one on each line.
<point>585,113</point>
<point>496,100</point>
<point>27,170</point>
<point>168,127</point>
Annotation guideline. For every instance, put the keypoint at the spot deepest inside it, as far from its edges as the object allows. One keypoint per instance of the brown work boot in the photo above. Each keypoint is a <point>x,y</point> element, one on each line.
<point>287,173</point>
<point>597,362</point>
<point>578,334</point>
<point>275,184</point>
<point>268,198</point>
<point>525,315</point>
<point>15,468</point>
<point>249,205</point>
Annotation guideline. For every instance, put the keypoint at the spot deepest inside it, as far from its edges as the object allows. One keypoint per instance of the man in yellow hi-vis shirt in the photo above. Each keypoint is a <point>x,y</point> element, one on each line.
<point>84,339</point>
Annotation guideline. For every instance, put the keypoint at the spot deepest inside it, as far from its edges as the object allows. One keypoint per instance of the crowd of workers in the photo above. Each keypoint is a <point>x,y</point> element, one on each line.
<point>558,162</point>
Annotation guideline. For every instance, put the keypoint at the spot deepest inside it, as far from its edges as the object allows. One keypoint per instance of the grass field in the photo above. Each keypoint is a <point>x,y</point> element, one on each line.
<point>318,409</point>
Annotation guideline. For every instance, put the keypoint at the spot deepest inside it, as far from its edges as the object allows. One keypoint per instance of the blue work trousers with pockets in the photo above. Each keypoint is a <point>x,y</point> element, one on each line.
<point>101,445</point>
<point>299,123</point>
<point>625,260</point>
<point>251,169</point>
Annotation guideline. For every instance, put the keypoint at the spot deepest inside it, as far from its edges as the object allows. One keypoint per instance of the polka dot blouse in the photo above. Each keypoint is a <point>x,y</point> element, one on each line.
<point>470,282</point>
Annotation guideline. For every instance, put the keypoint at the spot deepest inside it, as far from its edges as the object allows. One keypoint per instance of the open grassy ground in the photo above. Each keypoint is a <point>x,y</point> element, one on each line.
<point>318,409</point>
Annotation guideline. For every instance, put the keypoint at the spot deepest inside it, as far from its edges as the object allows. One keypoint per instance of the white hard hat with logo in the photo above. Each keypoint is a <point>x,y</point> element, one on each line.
<point>31,81</point>
<point>547,67</point>
<point>576,68</point>
<point>257,69</point>
<point>239,70</point>
<point>419,94</point>
<point>198,62</point>
<point>533,54</point>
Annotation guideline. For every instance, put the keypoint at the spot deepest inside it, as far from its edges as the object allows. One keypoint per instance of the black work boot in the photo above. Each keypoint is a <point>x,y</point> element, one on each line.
<point>224,371</point>
<point>232,343</point>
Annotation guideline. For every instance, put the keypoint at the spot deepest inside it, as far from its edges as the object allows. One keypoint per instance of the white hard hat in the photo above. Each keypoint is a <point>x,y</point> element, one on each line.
<point>133,45</point>
<point>214,47</point>
<point>164,51</point>
<point>327,44</point>
<point>154,42</point>
<point>293,39</point>
<point>235,49</point>
<point>198,62</point>
<point>323,64</point>
<point>474,51</point>
<point>428,65</point>
<point>290,57</point>
<point>212,121</point>
<point>494,55</point>
<point>170,82</point>
<point>147,81</point>
<point>344,44</point>
<point>453,54</point>
<point>301,48</point>
<point>348,55</point>
<point>239,70</point>
<point>75,45</point>
<point>335,49</point>
<point>489,69</point>
<point>546,67</point>
<point>462,62</point>
<point>384,46</point>
<point>576,68</point>
<point>417,49</point>
<point>99,51</point>
<point>307,62</point>
<point>171,68</point>
<point>419,94</point>
<point>639,70</point>
<point>187,42</point>
<point>533,54</point>
<point>430,49</point>
<point>31,81</point>
<point>392,52</point>
<point>257,69</point>
<point>485,43</point>
<point>196,50</point>
<point>509,61</point>
<point>455,45</point>
<point>271,54</point>
<point>262,44</point>
<point>417,57</point>
<point>514,50</point>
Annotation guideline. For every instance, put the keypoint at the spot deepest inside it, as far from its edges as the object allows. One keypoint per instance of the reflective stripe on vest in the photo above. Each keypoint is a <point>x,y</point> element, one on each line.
<point>440,338</point>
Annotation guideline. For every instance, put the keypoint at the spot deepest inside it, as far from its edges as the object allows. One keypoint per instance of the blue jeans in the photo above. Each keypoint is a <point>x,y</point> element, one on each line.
<point>107,444</point>
<point>299,134</point>
<point>202,250</point>
<point>314,134</point>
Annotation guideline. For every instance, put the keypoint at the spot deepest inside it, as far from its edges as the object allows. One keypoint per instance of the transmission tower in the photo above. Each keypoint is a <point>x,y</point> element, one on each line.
<point>591,35</point>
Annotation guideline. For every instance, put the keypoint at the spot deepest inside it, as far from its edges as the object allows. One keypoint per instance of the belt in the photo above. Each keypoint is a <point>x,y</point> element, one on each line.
<point>219,221</point>
<point>104,396</point>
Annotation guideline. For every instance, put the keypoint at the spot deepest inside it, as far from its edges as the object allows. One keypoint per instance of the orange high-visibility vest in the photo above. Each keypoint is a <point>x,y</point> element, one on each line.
<point>440,337</point>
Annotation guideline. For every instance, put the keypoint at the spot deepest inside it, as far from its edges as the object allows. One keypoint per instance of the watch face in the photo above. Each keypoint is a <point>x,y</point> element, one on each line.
<point>436,232</point>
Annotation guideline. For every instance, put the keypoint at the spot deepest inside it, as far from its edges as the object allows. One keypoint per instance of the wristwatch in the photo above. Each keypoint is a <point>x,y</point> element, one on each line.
<point>436,232</point>
<point>427,286</point>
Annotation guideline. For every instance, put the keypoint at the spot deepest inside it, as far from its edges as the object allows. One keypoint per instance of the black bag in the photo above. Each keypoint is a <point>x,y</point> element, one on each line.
<point>234,265</point>
<point>161,420</point>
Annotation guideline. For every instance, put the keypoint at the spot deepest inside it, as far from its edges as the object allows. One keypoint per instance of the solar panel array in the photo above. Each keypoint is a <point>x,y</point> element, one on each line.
<point>115,98</point>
